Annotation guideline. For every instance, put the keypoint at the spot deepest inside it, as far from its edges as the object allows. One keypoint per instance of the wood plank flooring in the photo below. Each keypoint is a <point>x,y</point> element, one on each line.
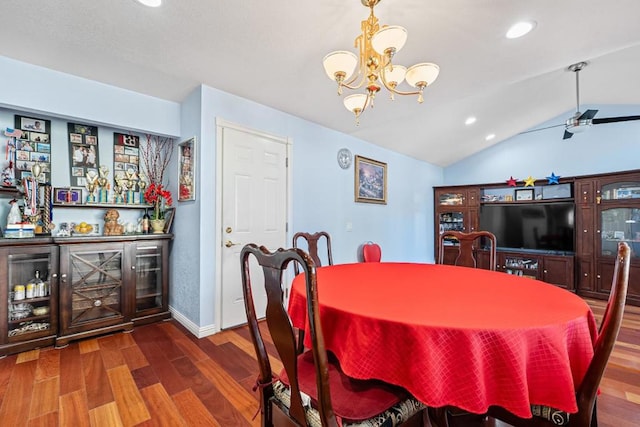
<point>160,375</point>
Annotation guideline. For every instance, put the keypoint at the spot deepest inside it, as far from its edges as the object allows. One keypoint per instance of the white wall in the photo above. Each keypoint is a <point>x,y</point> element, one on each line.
<point>602,148</point>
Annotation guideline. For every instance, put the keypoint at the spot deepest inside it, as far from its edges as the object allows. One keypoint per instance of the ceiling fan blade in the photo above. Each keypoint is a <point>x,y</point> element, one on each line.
<point>589,114</point>
<point>536,130</point>
<point>615,119</point>
<point>567,135</point>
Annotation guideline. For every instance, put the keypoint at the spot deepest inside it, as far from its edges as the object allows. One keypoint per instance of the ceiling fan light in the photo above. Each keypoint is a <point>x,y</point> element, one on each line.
<point>355,102</point>
<point>340,61</point>
<point>392,37</point>
<point>396,75</point>
<point>421,74</point>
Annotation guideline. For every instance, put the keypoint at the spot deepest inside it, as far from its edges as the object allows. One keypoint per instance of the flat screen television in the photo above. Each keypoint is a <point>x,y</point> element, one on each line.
<point>533,226</point>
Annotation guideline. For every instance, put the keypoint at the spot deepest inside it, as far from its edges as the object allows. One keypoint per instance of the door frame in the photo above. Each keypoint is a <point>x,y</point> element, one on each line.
<point>288,141</point>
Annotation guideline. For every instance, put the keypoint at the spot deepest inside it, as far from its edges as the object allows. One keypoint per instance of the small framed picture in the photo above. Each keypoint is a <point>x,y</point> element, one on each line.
<point>168,220</point>
<point>370,181</point>
<point>75,138</point>
<point>68,195</point>
<point>524,194</point>
<point>91,140</point>
<point>29,123</point>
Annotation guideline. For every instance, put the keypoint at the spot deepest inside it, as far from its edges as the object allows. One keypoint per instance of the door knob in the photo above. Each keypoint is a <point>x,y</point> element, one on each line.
<point>229,243</point>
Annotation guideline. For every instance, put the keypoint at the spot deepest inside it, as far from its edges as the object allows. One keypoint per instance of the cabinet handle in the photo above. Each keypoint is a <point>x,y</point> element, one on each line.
<point>54,275</point>
<point>598,231</point>
<point>97,303</point>
<point>586,275</point>
<point>133,267</point>
<point>544,271</point>
<point>63,278</point>
<point>585,231</point>
<point>598,276</point>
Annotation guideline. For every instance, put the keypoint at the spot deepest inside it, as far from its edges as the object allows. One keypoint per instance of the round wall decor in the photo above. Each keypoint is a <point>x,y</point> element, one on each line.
<point>344,158</point>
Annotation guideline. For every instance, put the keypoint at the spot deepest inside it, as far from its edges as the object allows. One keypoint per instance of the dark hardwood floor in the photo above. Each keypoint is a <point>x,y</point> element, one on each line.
<point>160,375</point>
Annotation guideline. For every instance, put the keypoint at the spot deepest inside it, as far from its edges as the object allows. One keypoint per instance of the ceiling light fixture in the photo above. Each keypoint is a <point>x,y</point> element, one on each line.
<point>377,46</point>
<point>470,120</point>
<point>520,29</point>
<point>150,3</point>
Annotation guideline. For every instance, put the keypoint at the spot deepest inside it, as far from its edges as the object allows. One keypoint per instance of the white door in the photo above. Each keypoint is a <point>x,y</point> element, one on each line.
<point>254,210</point>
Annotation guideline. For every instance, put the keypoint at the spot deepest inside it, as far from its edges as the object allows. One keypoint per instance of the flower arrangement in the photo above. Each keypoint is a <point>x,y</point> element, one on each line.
<point>160,199</point>
<point>155,156</point>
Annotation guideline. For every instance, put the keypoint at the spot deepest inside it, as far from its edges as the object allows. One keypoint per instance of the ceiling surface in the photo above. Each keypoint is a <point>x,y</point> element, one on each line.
<point>271,52</point>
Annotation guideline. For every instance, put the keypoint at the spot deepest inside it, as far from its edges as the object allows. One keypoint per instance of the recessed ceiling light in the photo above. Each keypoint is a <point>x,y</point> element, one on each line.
<point>490,136</point>
<point>470,120</point>
<point>151,3</point>
<point>520,29</point>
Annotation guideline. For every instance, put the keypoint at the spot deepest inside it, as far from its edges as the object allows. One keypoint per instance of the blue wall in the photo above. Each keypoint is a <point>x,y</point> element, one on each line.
<point>602,148</point>
<point>322,196</point>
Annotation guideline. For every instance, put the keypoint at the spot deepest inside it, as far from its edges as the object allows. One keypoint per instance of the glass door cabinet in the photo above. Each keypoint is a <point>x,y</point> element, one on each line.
<point>29,292</point>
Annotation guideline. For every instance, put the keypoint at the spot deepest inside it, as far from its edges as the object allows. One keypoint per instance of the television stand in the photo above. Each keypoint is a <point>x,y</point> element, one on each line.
<point>550,268</point>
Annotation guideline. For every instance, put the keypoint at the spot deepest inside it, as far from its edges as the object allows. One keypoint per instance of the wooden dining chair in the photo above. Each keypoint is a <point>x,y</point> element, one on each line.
<point>467,244</point>
<point>371,252</point>
<point>311,390</point>
<point>587,391</point>
<point>312,246</point>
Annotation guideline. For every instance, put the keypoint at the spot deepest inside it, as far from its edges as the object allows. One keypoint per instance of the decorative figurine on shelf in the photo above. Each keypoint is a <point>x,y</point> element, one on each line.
<point>111,226</point>
<point>14,217</point>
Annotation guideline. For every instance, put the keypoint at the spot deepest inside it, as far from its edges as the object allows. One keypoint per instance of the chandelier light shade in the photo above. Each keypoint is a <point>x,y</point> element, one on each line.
<point>373,68</point>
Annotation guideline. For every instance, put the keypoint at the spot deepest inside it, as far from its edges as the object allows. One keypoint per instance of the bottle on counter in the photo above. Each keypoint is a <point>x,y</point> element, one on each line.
<point>145,222</point>
<point>35,287</point>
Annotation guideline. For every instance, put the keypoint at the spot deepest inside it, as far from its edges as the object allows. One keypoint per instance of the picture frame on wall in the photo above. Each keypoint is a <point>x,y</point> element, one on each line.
<point>524,194</point>
<point>187,170</point>
<point>35,139</point>
<point>370,181</point>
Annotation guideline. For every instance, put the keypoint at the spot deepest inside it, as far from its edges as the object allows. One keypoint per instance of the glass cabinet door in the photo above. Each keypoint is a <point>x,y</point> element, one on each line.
<point>619,224</point>
<point>149,273</point>
<point>451,199</point>
<point>31,312</point>
<point>621,191</point>
<point>95,281</point>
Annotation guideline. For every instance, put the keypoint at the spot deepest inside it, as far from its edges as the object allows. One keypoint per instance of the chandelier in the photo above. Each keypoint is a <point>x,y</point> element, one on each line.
<point>377,46</point>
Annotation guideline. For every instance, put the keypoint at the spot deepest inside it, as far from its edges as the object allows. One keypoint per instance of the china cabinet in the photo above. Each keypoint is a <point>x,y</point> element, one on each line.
<point>55,290</point>
<point>456,209</point>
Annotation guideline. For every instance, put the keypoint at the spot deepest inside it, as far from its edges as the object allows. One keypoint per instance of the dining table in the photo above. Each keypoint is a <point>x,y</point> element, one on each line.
<point>457,336</point>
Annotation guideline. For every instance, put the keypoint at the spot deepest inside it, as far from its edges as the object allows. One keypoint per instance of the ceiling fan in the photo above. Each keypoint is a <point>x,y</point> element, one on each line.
<point>580,122</point>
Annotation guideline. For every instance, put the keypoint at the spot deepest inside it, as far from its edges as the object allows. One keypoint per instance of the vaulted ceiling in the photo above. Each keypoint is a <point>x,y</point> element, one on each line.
<point>271,52</point>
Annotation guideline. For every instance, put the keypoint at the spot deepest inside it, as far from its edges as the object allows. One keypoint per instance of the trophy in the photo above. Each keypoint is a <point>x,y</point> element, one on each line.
<point>143,185</point>
<point>103,182</point>
<point>118,189</point>
<point>131,181</point>
<point>92,185</point>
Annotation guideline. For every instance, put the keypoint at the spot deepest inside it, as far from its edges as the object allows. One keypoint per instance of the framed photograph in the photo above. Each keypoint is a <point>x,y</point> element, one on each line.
<point>524,194</point>
<point>75,138</point>
<point>168,219</point>
<point>91,140</point>
<point>68,195</point>
<point>36,125</point>
<point>370,181</point>
<point>187,170</point>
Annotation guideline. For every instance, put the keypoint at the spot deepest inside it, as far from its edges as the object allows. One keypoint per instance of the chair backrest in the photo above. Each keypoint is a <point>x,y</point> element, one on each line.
<point>273,265</point>
<point>467,242</point>
<point>607,335</point>
<point>371,252</point>
<point>312,246</point>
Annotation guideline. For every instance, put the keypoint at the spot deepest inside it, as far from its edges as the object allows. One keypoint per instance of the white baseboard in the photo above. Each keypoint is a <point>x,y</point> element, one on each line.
<point>198,331</point>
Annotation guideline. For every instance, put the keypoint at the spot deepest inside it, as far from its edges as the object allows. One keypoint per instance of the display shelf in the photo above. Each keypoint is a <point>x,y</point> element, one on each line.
<point>89,205</point>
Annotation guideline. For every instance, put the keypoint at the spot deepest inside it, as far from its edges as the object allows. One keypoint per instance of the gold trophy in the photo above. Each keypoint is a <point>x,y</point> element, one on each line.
<point>103,182</point>
<point>92,185</point>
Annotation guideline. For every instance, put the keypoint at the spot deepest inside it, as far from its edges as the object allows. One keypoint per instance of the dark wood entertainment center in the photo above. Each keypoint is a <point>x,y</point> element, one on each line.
<point>607,210</point>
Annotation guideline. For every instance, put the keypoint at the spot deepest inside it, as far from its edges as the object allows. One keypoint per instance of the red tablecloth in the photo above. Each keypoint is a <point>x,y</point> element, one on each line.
<point>453,335</point>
